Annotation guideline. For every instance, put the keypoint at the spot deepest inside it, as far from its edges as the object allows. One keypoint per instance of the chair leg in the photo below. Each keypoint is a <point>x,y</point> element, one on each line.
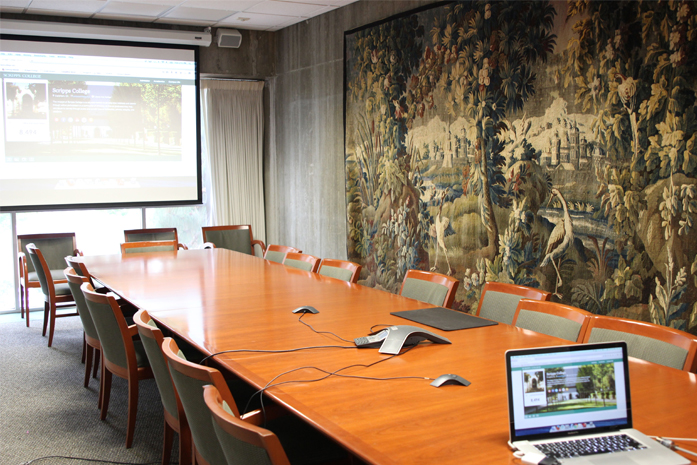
<point>100,399</point>
<point>52,324</point>
<point>97,356</point>
<point>84,348</point>
<point>167,438</point>
<point>21,300</point>
<point>45,318</point>
<point>132,409</point>
<point>106,391</point>
<point>88,365</point>
<point>185,446</point>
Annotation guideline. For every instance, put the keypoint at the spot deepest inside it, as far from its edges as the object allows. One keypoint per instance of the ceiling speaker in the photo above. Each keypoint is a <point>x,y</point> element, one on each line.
<point>229,38</point>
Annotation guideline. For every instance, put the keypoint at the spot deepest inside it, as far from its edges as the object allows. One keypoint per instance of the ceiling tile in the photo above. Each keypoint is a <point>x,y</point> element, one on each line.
<point>202,14</point>
<point>69,6</point>
<point>272,7</point>
<point>14,4</point>
<point>246,20</point>
<point>134,8</point>
<point>234,5</point>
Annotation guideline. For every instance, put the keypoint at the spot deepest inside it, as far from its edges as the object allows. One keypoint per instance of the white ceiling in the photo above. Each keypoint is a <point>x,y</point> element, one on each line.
<point>262,15</point>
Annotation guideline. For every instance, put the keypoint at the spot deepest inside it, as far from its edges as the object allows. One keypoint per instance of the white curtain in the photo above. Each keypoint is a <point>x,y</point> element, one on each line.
<point>233,125</point>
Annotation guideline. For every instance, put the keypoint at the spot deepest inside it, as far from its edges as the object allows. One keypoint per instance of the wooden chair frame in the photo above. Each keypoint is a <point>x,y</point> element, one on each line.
<point>138,245</point>
<point>208,244</point>
<point>171,424</point>
<point>24,283</point>
<point>280,248</point>
<point>438,278</point>
<point>132,232</point>
<point>642,328</point>
<point>246,430</point>
<point>51,301</point>
<point>132,373</point>
<point>554,308</point>
<point>524,291</point>
<point>303,257</point>
<point>355,268</point>
<point>92,346</point>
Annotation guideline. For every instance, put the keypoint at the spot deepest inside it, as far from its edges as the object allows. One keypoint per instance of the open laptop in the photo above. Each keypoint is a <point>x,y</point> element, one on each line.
<point>558,395</point>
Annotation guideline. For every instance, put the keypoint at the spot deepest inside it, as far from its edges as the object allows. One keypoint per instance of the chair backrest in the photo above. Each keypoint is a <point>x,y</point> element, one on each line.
<point>302,261</point>
<point>43,273</point>
<point>552,319</point>
<point>427,286</point>
<point>340,269</point>
<point>150,234</point>
<point>189,379</point>
<point>277,253</point>
<point>54,248</point>
<point>499,300</point>
<point>647,341</point>
<point>115,336</point>
<point>75,282</point>
<point>233,237</point>
<point>151,337</point>
<point>79,267</point>
<point>242,442</point>
<point>149,246</point>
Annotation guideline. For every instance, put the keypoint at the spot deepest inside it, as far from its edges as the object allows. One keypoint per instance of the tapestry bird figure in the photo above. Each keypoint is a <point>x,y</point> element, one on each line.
<point>439,231</point>
<point>561,238</point>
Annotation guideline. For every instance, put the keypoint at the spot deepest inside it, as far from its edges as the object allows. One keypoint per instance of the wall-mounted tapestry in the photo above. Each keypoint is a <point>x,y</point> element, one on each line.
<point>549,144</point>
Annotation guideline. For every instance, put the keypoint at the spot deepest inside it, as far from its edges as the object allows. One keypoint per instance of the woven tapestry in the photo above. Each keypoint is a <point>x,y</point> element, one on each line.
<point>548,144</point>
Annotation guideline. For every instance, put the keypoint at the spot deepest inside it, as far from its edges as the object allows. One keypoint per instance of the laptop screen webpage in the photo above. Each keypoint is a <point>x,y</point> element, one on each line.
<point>568,390</point>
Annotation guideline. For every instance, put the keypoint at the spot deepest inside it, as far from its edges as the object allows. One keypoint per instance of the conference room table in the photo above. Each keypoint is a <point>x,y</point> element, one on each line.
<point>381,408</point>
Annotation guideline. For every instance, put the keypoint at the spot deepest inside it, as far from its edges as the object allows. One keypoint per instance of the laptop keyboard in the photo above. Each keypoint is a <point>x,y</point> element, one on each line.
<point>589,446</point>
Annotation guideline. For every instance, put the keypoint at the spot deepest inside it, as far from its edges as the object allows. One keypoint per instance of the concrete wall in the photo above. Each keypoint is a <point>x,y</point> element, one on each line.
<point>304,157</point>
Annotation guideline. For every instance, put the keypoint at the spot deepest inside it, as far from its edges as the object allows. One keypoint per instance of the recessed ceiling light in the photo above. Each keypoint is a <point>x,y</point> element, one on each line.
<point>243,19</point>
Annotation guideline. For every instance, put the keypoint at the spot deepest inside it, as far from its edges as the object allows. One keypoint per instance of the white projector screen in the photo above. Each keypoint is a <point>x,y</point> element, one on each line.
<point>88,125</point>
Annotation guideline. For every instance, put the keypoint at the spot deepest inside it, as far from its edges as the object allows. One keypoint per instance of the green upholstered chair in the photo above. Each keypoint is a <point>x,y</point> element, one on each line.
<point>189,379</point>
<point>427,286</point>
<point>233,237</point>
<point>56,295</point>
<point>340,269</point>
<point>91,338</point>
<point>552,319</point>
<point>121,354</point>
<point>175,419</point>
<point>242,441</point>
<point>302,261</point>
<point>647,341</point>
<point>54,247</point>
<point>499,300</point>
<point>149,246</point>
<point>277,253</point>
<point>153,234</point>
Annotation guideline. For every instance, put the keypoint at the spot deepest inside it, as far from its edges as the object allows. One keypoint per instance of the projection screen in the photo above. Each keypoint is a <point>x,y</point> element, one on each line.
<point>88,125</point>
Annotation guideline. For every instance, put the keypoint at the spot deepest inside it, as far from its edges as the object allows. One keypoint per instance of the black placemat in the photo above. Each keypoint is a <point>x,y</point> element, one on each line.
<point>444,318</point>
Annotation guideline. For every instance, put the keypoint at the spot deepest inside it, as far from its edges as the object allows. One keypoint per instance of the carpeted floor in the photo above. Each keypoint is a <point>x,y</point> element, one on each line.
<point>46,411</point>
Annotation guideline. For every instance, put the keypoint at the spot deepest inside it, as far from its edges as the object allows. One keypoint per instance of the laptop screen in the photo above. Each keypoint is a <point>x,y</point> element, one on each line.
<point>568,390</point>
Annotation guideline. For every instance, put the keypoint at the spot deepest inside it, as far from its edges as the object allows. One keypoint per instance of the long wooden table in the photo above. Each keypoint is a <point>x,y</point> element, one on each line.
<point>222,300</point>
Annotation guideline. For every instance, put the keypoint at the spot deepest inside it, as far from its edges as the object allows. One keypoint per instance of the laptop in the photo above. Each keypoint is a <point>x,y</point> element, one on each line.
<point>560,395</point>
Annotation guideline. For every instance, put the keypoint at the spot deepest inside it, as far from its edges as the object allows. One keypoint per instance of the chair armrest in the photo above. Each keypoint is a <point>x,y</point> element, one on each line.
<point>208,245</point>
<point>260,244</point>
<point>183,246</point>
<point>258,417</point>
<point>77,253</point>
<point>133,332</point>
<point>23,270</point>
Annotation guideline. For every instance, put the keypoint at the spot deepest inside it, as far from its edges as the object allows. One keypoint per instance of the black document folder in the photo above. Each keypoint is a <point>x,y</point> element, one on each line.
<point>444,318</point>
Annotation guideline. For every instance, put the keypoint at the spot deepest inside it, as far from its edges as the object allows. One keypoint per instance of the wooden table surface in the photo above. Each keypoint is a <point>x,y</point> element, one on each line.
<point>222,300</point>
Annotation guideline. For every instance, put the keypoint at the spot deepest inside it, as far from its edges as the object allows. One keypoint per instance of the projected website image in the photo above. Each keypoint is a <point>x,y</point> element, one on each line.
<point>106,121</point>
<point>569,389</point>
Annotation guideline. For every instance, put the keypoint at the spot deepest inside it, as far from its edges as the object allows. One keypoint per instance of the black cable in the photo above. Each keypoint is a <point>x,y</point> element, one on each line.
<point>279,351</point>
<point>320,332</point>
<point>270,384</point>
<point>90,460</point>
